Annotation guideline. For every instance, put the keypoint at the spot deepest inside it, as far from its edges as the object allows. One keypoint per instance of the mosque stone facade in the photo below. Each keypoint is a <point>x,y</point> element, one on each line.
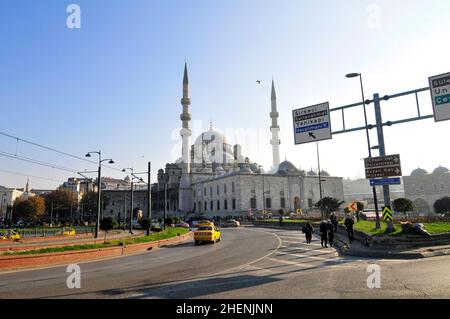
<point>215,178</point>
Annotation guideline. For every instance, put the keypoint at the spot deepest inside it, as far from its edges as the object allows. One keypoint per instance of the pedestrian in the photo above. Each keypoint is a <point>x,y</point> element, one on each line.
<point>323,234</point>
<point>349,226</point>
<point>308,231</point>
<point>281,220</point>
<point>334,221</point>
<point>330,233</point>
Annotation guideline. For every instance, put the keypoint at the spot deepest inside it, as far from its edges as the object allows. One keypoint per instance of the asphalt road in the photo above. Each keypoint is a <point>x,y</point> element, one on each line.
<point>247,263</point>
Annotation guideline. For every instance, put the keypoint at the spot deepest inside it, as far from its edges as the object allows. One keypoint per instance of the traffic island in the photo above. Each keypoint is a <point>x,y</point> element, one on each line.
<point>74,254</point>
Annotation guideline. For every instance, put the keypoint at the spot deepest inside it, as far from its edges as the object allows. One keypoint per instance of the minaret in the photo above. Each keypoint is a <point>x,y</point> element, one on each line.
<point>185,117</point>
<point>275,129</point>
<point>27,186</point>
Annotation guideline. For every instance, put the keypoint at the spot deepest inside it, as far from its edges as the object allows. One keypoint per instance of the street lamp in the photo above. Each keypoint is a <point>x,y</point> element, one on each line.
<point>354,75</point>
<point>131,201</point>
<point>99,188</point>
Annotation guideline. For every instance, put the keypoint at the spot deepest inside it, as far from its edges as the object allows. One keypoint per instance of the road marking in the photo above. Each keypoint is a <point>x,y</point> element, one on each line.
<point>305,256</point>
<point>299,242</point>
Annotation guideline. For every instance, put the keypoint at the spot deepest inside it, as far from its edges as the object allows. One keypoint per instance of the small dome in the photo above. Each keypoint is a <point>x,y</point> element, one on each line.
<point>245,169</point>
<point>311,173</point>
<point>324,173</point>
<point>419,172</point>
<point>287,168</point>
<point>440,170</point>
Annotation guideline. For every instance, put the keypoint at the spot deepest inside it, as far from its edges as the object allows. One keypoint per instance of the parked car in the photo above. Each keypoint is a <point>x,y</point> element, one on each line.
<point>207,233</point>
<point>182,224</point>
<point>69,231</point>
<point>231,223</point>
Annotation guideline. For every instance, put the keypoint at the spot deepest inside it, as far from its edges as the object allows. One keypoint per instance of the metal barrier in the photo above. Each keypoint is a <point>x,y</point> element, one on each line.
<point>49,231</point>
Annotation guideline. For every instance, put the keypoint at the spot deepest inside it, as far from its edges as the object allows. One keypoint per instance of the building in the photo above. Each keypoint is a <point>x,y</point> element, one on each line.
<point>360,190</point>
<point>424,188</point>
<point>7,198</point>
<point>214,178</point>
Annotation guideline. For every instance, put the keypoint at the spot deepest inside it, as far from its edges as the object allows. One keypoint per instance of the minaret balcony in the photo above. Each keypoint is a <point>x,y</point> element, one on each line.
<point>274,114</point>
<point>185,101</point>
<point>185,117</point>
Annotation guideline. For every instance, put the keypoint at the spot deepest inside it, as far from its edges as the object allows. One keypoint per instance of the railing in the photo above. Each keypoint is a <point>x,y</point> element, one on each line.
<point>49,231</point>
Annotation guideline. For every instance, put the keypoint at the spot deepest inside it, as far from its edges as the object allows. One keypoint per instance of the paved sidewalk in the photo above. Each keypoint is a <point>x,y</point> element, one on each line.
<point>358,249</point>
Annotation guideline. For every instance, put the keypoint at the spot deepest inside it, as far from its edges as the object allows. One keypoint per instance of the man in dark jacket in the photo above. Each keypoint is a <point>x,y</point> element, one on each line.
<point>308,231</point>
<point>330,232</point>
<point>334,221</point>
<point>323,233</point>
<point>349,226</point>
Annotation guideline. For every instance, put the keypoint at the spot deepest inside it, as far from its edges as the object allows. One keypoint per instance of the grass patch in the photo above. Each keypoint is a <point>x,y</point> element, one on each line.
<point>368,227</point>
<point>165,234</point>
<point>437,227</point>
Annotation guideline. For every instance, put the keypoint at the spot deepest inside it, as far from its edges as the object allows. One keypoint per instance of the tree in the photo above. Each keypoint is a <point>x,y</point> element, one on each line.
<point>89,202</point>
<point>169,220</point>
<point>359,208</point>
<point>106,224</point>
<point>64,201</point>
<point>442,206</point>
<point>402,205</point>
<point>34,207</point>
<point>146,223</point>
<point>329,204</point>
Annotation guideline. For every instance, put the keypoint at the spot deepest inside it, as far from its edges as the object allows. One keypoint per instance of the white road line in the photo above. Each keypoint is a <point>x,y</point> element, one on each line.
<point>300,242</point>
<point>305,256</point>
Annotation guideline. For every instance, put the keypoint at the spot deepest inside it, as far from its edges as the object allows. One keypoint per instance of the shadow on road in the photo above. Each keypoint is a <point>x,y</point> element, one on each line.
<point>192,289</point>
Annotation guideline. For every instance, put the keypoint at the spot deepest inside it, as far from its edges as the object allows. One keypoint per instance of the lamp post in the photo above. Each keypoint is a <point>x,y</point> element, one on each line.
<point>375,199</point>
<point>320,182</point>
<point>131,198</point>
<point>99,188</point>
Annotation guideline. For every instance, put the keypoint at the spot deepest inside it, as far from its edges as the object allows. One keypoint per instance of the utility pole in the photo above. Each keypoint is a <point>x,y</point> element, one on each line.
<point>382,149</point>
<point>149,192</point>
<point>131,207</point>
<point>165,205</point>
<point>320,182</point>
<point>51,216</point>
<point>99,197</point>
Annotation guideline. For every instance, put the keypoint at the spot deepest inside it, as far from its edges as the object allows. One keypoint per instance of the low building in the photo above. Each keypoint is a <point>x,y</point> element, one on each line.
<point>425,188</point>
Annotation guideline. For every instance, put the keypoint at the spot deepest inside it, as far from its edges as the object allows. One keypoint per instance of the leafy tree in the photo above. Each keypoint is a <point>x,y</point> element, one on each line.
<point>106,224</point>
<point>34,207</point>
<point>63,201</point>
<point>402,205</point>
<point>442,206</point>
<point>146,223</point>
<point>169,220</point>
<point>359,208</point>
<point>329,204</point>
<point>89,201</point>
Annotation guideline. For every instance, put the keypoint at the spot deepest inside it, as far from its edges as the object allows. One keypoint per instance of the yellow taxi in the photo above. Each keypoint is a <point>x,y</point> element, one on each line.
<point>12,235</point>
<point>207,232</point>
<point>69,231</point>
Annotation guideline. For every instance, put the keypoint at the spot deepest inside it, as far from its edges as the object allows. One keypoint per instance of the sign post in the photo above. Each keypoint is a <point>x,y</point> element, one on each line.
<point>387,217</point>
<point>440,96</point>
<point>383,166</point>
<point>312,123</point>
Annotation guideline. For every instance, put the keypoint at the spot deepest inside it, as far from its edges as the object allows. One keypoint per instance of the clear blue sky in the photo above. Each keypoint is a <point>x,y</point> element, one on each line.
<point>115,84</point>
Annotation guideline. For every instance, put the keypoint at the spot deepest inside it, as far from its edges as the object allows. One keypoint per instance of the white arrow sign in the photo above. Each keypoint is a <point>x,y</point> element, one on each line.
<point>312,123</point>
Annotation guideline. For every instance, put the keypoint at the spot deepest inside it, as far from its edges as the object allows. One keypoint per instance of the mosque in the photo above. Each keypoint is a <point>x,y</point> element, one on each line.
<point>214,178</point>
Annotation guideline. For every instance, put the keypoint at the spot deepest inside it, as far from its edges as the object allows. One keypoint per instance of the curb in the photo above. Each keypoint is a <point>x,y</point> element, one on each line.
<point>48,259</point>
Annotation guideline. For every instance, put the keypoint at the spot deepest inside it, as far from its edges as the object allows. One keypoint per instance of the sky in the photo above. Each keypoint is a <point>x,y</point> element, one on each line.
<point>115,83</point>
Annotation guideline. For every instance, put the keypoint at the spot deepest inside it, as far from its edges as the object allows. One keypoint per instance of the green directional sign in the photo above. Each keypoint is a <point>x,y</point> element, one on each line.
<point>387,214</point>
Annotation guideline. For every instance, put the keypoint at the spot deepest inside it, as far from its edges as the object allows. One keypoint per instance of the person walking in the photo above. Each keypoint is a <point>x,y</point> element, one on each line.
<point>330,233</point>
<point>308,231</point>
<point>334,221</point>
<point>323,234</point>
<point>349,226</point>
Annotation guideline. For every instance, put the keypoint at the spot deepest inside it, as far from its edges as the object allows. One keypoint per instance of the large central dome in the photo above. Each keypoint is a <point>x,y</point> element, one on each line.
<point>212,146</point>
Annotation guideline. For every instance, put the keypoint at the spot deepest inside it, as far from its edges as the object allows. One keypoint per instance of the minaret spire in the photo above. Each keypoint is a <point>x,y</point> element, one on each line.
<point>275,129</point>
<point>186,118</point>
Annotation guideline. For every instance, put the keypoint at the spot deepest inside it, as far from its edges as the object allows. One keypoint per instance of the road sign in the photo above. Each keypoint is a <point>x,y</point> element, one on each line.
<point>353,207</point>
<point>440,96</point>
<point>312,123</point>
<point>387,214</point>
<point>385,181</point>
<point>383,166</point>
